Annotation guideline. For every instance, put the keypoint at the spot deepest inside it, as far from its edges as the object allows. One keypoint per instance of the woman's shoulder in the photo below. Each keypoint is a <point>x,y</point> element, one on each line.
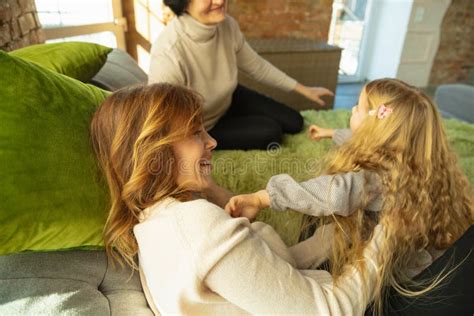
<point>201,217</point>
<point>200,204</point>
<point>198,210</point>
<point>190,218</point>
<point>200,221</point>
<point>167,41</point>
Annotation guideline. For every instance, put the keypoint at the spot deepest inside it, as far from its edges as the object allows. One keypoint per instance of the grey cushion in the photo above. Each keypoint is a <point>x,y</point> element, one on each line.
<point>76,282</point>
<point>456,101</point>
<point>120,70</point>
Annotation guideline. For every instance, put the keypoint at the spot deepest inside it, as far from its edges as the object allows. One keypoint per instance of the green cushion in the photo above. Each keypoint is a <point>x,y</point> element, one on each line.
<point>48,192</point>
<point>79,60</point>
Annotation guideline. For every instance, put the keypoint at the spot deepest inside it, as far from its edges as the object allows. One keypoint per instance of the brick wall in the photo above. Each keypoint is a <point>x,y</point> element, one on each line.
<point>19,24</point>
<point>283,18</point>
<point>455,56</point>
<point>308,19</point>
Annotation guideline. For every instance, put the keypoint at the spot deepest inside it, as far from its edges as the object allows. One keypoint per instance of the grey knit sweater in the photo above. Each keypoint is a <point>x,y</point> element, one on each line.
<point>339,194</point>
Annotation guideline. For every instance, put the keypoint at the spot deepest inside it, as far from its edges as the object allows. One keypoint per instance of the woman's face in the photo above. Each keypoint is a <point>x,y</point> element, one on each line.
<point>207,12</point>
<point>359,111</point>
<point>193,155</point>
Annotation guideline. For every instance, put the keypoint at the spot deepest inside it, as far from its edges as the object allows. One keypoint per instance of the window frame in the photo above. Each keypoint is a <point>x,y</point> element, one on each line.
<point>118,26</point>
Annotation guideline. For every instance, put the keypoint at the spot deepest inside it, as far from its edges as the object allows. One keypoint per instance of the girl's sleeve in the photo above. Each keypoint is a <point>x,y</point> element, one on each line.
<point>254,66</point>
<point>339,194</point>
<point>341,135</point>
<point>239,266</point>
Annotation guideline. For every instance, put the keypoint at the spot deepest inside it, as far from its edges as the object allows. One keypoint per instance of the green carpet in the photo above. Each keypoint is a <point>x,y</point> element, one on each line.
<point>249,171</point>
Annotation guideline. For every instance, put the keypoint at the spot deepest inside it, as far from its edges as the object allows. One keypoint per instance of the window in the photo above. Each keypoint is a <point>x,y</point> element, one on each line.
<point>98,21</point>
<point>348,25</point>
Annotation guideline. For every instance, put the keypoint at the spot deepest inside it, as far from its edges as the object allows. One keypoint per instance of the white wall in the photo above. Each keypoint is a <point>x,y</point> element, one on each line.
<point>421,41</point>
<point>386,30</point>
<point>402,39</point>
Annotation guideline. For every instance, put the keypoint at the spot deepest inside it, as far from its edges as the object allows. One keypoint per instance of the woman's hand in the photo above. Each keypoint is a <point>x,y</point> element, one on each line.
<point>248,205</point>
<point>317,133</point>
<point>313,93</point>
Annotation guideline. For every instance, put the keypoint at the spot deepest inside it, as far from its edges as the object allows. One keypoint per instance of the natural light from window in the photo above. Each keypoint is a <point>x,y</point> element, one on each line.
<point>103,38</point>
<point>54,13</point>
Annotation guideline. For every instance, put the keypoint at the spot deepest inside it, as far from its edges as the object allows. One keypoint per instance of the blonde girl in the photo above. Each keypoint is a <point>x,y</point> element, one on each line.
<point>193,257</point>
<point>397,169</point>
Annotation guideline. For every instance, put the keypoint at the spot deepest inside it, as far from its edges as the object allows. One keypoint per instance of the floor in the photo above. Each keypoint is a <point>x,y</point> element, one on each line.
<point>347,95</point>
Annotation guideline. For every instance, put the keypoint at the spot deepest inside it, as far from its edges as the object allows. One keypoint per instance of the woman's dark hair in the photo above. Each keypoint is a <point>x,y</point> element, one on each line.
<point>177,6</point>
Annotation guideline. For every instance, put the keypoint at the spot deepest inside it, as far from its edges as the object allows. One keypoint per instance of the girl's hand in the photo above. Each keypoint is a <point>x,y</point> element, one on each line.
<point>248,205</point>
<point>215,193</point>
<point>317,133</point>
<point>313,93</point>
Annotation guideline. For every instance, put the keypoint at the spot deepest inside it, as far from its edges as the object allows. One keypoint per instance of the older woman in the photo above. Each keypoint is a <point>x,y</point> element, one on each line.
<point>203,48</point>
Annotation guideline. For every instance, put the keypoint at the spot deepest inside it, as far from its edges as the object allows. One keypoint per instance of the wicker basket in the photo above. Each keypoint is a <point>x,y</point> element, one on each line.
<point>309,62</point>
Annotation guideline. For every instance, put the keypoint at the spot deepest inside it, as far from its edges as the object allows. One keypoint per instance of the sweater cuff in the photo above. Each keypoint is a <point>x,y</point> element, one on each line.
<point>341,136</point>
<point>289,84</point>
<point>272,189</point>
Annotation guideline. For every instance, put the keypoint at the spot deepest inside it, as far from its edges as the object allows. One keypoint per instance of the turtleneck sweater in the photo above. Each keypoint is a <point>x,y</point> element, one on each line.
<point>207,58</point>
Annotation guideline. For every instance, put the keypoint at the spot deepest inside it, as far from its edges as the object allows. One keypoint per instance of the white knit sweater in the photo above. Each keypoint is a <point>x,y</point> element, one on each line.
<point>207,59</point>
<point>197,260</point>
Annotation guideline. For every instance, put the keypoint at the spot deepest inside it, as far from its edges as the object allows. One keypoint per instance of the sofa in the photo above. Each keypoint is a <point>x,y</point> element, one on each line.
<point>54,200</point>
<point>456,101</point>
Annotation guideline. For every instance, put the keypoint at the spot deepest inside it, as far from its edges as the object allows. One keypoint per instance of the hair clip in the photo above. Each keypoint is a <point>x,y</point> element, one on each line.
<point>382,112</point>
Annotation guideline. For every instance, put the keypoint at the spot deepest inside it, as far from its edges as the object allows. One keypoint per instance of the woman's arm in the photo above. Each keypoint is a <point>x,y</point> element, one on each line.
<point>256,67</point>
<point>239,266</point>
<point>253,65</point>
<point>262,71</point>
<point>164,68</point>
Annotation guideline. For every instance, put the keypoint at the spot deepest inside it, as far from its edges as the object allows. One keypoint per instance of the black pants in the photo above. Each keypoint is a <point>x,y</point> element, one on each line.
<point>253,121</point>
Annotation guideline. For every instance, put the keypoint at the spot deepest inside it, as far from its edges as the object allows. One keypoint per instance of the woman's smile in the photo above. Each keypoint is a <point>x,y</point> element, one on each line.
<point>217,9</point>
<point>205,165</point>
